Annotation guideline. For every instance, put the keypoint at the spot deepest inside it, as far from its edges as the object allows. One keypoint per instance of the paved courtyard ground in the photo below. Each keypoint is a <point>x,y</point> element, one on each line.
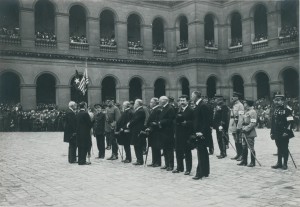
<point>34,172</point>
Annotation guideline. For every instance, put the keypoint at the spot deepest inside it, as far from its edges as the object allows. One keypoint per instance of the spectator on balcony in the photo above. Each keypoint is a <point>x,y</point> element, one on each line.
<point>78,39</point>
<point>289,32</point>
<point>159,47</point>
<point>45,36</point>
<point>260,37</point>
<point>135,45</point>
<point>210,43</point>
<point>9,33</point>
<point>182,45</point>
<point>108,42</point>
<point>236,42</point>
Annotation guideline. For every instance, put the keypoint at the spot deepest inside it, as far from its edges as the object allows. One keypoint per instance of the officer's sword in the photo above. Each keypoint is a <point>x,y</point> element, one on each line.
<point>245,138</point>
<point>223,133</point>
<point>292,159</point>
<point>146,155</point>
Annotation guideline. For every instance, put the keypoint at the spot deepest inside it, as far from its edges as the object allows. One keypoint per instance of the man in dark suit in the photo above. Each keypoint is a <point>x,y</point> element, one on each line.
<point>166,125</point>
<point>202,130</point>
<point>70,131</point>
<point>154,138</point>
<point>183,130</point>
<point>84,141</point>
<point>221,124</point>
<point>122,132</point>
<point>99,130</point>
<point>136,125</point>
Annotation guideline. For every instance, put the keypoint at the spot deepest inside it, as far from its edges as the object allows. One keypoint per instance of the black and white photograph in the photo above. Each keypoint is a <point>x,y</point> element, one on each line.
<point>149,103</point>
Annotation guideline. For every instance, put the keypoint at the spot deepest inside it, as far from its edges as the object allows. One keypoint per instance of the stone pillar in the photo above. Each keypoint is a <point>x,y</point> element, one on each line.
<point>27,27</point>
<point>170,42</point>
<point>276,86</point>
<point>28,96</point>
<point>94,93</point>
<point>62,32</point>
<point>63,95</point>
<point>199,87</point>
<point>121,38</point>
<point>200,37</point>
<point>250,91</point>
<point>171,92</point>
<point>148,93</point>
<point>192,28</point>
<point>248,33</point>
<point>229,40</point>
<point>272,28</point>
<point>122,94</point>
<point>93,32</point>
<point>146,39</point>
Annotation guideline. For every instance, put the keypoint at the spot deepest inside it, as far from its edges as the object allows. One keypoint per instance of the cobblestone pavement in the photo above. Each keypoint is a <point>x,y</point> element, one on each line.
<point>34,172</point>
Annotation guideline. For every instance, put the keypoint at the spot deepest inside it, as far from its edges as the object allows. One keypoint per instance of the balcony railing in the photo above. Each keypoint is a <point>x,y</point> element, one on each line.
<point>45,43</point>
<point>108,48</point>
<point>160,53</point>
<point>260,44</point>
<point>4,39</point>
<point>183,51</point>
<point>287,39</point>
<point>238,48</point>
<point>136,50</point>
<point>79,46</point>
<point>212,50</point>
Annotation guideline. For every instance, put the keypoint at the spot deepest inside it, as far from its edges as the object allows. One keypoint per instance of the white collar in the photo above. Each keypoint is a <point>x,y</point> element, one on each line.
<point>183,108</point>
<point>71,109</point>
<point>197,102</point>
<point>155,107</point>
<point>138,108</point>
<point>165,105</point>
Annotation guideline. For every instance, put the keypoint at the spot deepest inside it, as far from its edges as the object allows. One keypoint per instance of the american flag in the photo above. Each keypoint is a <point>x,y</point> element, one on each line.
<point>82,84</point>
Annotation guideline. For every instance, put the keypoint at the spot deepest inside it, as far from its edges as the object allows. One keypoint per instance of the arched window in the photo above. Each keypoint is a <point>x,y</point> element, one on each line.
<point>260,23</point>
<point>9,88</point>
<point>185,87</point>
<point>183,35</point>
<point>108,88</point>
<point>77,95</point>
<point>135,89</point>
<point>134,32</point>
<point>291,83</point>
<point>45,89</point>
<point>236,30</point>
<point>159,88</point>
<point>289,25</point>
<point>211,86</point>
<point>107,28</point>
<point>77,25</point>
<point>209,31</point>
<point>158,35</point>
<point>9,19</point>
<point>263,86</point>
<point>238,84</point>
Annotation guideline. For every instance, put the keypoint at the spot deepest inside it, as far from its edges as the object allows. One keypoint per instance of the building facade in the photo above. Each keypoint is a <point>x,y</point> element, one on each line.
<point>141,49</point>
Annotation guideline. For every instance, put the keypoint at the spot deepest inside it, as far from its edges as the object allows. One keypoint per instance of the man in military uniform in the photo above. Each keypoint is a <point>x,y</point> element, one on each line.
<point>235,124</point>
<point>154,138</point>
<point>122,132</point>
<point>280,131</point>
<point>112,116</point>
<point>248,133</point>
<point>183,131</point>
<point>98,130</point>
<point>221,123</point>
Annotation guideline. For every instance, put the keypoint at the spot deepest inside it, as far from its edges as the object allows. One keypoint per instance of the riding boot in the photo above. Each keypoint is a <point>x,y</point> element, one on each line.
<point>240,152</point>
<point>252,163</point>
<point>285,160</point>
<point>244,157</point>
<point>279,162</point>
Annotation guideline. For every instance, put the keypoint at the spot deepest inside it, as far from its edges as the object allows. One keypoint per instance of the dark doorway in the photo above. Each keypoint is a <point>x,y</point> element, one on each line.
<point>238,84</point>
<point>159,88</point>
<point>108,89</point>
<point>291,83</point>
<point>211,85</point>
<point>135,89</point>
<point>185,87</point>
<point>263,86</point>
<point>9,88</point>
<point>45,89</point>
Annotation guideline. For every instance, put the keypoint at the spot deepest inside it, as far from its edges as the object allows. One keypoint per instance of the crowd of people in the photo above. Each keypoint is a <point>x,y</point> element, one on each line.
<point>135,45</point>
<point>169,126</point>
<point>210,43</point>
<point>6,33</point>
<point>236,42</point>
<point>159,47</point>
<point>78,39</point>
<point>183,44</point>
<point>45,36</point>
<point>260,37</point>
<point>108,42</point>
<point>291,32</point>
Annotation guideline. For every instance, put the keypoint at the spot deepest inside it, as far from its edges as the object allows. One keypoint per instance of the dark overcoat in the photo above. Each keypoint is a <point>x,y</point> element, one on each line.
<point>201,120</point>
<point>136,126</point>
<point>70,125</point>
<point>99,124</point>
<point>183,128</point>
<point>155,140</point>
<point>166,125</point>
<point>83,132</point>
<point>124,137</point>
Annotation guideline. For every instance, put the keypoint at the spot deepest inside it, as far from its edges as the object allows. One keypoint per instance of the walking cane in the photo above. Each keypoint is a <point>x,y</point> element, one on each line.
<point>146,155</point>
<point>120,153</point>
<point>292,159</point>
<point>245,138</point>
<point>223,133</point>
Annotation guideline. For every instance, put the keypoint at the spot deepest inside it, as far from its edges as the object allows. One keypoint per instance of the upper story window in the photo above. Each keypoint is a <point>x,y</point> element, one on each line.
<point>107,30</point>
<point>260,23</point>
<point>77,28</point>
<point>158,36</point>
<point>236,30</point>
<point>183,34</point>
<point>134,34</point>
<point>289,26</point>
<point>9,21</point>
<point>44,16</point>
<point>209,31</point>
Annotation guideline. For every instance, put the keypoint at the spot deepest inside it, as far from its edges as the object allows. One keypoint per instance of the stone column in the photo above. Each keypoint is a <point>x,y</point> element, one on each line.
<point>148,93</point>
<point>172,92</point>
<point>146,39</point>
<point>199,87</point>
<point>62,31</point>
<point>63,95</point>
<point>121,38</point>
<point>27,27</point>
<point>276,86</point>
<point>248,33</point>
<point>272,28</point>
<point>122,94</point>
<point>94,93</point>
<point>229,40</point>
<point>250,91</point>
<point>28,96</point>
<point>192,28</point>
<point>93,32</point>
<point>170,42</point>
